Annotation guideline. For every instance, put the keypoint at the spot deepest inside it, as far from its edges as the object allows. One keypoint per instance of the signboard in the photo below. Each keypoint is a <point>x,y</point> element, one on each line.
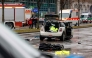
<point>35,10</point>
<point>28,14</point>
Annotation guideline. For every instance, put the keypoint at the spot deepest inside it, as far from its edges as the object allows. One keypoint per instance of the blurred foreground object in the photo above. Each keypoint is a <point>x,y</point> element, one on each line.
<point>74,56</point>
<point>13,46</point>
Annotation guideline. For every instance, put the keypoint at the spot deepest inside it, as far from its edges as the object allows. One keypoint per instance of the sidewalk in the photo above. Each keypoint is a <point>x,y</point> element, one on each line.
<point>27,27</point>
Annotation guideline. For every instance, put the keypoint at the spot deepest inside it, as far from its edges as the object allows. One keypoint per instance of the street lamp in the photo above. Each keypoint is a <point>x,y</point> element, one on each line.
<point>3,11</point>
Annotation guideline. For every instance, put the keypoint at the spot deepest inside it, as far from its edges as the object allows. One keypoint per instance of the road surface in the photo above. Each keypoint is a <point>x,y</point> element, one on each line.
<point>81,43</point>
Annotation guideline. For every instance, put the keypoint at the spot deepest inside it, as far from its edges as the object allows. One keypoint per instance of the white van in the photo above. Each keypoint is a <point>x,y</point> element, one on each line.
<point>86,18</point>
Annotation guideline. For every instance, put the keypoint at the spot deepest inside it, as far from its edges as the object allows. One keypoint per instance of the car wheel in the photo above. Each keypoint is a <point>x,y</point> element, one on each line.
<point>62,38</point>
<point>86,22</point>
<point>41,38</point>
<point>10,25</point>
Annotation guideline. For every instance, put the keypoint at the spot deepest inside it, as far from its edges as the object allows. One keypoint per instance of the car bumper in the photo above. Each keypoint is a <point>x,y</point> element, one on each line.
<point>49,34</point>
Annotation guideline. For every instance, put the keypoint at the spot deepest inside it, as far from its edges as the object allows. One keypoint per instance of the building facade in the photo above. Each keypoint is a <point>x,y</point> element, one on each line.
<point>84,5</point>
<point>47,6</point>
<point>66,5</point>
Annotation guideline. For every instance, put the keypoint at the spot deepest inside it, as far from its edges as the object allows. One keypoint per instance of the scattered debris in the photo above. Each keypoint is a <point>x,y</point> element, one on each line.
<point>50,47</point>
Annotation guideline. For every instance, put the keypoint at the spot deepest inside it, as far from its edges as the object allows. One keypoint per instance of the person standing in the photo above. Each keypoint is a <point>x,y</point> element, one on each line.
<point>30,23</point>
<point>35,22</point>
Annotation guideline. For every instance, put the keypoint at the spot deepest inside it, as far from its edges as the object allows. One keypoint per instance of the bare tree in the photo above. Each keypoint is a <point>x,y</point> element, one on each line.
<point>39,3</point>
<point>62,5</point>
<point>3,11</point>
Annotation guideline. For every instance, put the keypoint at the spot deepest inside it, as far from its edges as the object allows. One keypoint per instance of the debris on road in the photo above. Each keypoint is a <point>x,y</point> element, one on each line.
<point>50,47</point>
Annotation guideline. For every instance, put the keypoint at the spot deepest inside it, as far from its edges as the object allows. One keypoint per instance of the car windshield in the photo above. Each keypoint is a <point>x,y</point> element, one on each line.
<point>84,16</point>
<point>65,15</point>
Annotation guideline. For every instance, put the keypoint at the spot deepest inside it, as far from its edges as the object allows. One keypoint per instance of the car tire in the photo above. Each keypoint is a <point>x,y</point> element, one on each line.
<point>10,25</point>
<point>41,38</point>
<point>86,22</point>
<point>76,24</point>
<point>62,38</point>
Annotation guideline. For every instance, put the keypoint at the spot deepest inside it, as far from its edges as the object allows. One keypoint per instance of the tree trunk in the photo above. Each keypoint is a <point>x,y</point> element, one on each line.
<point>3,11</point>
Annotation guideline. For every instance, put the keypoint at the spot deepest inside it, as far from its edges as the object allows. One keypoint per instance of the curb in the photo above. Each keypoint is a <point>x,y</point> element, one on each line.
<point>37,30</point>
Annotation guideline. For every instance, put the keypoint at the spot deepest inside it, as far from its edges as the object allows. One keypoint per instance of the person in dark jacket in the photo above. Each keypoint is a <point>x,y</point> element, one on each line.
<point>35,22</point>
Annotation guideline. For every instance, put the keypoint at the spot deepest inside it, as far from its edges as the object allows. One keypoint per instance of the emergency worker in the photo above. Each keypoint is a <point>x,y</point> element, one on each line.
<point>53,29</point>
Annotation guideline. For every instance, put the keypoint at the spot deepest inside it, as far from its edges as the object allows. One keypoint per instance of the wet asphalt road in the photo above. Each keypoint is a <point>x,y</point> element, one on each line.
<point>80,44</point>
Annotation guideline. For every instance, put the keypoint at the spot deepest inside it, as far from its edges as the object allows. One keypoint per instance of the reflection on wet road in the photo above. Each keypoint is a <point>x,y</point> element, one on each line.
<point>81,43</point>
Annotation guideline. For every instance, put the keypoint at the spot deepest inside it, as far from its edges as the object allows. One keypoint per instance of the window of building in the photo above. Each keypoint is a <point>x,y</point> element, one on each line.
<point>80,6</point>
<point>42,0</point>
<point>31,0</point>
<point>84,6</point>
<point>53,1</point>
<point>75,6</point>
<point>77,13</point>
<point>88,6</point>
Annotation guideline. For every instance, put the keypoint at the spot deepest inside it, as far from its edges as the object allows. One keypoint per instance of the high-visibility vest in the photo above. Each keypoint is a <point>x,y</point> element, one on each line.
<point>53,29</point>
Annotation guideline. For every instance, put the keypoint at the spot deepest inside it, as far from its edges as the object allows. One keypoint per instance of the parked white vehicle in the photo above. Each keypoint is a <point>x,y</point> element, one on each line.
<point>64,28</point>
<point>86,18</point>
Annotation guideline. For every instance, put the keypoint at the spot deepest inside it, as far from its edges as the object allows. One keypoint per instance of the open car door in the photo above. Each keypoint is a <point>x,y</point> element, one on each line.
<point>68,26</point>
